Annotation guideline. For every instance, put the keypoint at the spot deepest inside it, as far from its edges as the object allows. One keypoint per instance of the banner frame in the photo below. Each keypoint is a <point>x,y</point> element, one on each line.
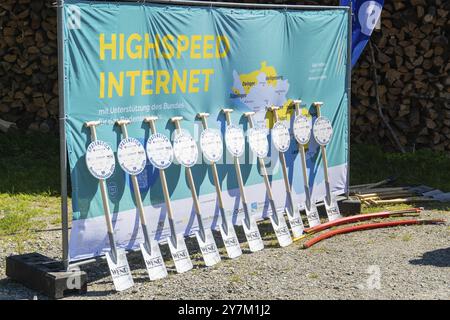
<point>62,110</point>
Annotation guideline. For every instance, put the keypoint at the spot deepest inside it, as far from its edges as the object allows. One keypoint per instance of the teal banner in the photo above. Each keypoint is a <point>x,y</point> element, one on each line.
<point>132,60</point>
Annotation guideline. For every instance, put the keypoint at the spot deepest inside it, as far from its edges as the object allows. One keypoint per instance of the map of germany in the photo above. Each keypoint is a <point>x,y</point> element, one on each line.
<point>260,88</point>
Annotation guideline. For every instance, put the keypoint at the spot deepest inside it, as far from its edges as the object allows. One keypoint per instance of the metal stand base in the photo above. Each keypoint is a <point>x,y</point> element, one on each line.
<point>45,275</point>
<point>350,206</point>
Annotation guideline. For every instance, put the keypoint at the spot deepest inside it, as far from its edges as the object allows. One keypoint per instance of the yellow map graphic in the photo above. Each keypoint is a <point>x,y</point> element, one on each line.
<point>249,80</point>
<point>286,112</point>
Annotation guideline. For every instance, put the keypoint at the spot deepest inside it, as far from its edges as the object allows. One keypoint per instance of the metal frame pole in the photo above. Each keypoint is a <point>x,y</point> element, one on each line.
<point>241,5</point>
<point>349,92</point>
<point>62,137</point>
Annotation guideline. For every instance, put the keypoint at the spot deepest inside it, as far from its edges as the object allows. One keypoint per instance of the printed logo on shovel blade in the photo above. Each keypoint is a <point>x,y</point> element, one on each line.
<point>120,271</point>
<point>180,255</point>
<point>208,248</point>
<point>296,226</point>
<point>333,212</point>
<point>231,242</point>
<point>281,231</point>
<point>312,215</point>
<point>154,262</point>
<point>253,236</point>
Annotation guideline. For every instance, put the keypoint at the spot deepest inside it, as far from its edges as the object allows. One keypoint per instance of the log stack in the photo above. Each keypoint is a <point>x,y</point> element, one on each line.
<point>412,64</point>
<point>28,64</point>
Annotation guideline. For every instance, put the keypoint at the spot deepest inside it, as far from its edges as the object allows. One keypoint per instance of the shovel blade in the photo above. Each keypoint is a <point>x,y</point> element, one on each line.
<point>154,261</point>
<point>312,215</point>
<point>296,223</point>
<point>231,241</point>
<point>180,254</point>
<point>281,230</point>
<point>253,236</point>
<point>332,208</point>
<point>120,270</point>
<point>208,248</point>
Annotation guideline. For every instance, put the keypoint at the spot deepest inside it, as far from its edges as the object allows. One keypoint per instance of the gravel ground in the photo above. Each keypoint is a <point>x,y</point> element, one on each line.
<point>397,263</point>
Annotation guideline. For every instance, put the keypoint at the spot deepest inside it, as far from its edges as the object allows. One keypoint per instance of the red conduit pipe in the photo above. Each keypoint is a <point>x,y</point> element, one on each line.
<point>368,226</point>
<point>359,217</point>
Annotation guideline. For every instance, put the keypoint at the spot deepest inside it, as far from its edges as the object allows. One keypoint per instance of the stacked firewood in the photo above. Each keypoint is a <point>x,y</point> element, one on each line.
<point>412,64</point>
<point>28,64</point>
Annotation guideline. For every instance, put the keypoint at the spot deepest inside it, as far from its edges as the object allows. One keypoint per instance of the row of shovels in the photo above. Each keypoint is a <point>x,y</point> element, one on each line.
<point>132,158</point>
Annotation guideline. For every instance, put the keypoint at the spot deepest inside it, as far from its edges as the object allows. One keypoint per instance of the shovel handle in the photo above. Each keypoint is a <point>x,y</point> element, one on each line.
<point>91,124</point>
<point>318,105</point>
<point>123,122</point>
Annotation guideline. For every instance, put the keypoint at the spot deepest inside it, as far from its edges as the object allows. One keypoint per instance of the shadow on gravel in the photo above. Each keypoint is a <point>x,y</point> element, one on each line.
<point>441,206</point>
<point>438,258</point>
<point>12,290</point>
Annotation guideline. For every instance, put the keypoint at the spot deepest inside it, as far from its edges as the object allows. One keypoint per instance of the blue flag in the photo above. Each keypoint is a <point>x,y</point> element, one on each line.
<point>365,16</point>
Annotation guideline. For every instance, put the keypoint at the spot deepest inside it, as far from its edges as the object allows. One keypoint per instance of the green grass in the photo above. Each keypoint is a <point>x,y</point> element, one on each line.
<point>29,186</point>
<point>29,180</point>
<point>371,164</point>
<point>29,164</point>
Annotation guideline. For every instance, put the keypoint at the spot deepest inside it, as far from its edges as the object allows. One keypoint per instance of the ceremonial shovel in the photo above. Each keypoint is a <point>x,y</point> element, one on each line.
<point>160,154</point>
<point>132,159</point>
<point>293,215</point>
<point>226,228</point>
<point>251,231</point>
<point>184,144</point>
<point>101,163</point>
<point>277,218</point>
<point>302,133</point>
<point>323,132</point>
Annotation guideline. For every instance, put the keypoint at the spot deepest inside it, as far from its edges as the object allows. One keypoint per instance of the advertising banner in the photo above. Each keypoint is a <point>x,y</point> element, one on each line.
<point>132,60</point>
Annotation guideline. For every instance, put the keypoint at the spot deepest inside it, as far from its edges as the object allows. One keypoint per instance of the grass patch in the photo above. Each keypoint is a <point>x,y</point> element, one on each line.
<point>235,278</point>
<point>371,164</point>
<point>373,209</point>
<point>29,186</point>
<point>407,237</point>
<point>29,164</point>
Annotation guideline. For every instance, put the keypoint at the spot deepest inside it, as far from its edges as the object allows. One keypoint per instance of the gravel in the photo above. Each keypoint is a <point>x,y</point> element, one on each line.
<point>396,263</point>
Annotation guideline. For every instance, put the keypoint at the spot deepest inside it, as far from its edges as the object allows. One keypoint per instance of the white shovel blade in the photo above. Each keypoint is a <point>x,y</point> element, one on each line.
<point>120,271</point>
<point>296,223</point>
<point>208,248</point>
<point>180,254</point>
<point>231,241</point>
<point>281,230</point>
<point>312,215</point>
<point>332,208</point>
<point>154,261</point>
<point>253,236</point>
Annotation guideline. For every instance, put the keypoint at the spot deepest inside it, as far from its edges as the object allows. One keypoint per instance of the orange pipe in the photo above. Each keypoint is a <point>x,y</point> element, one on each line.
<point>368,226</point>
<point>360,217</point>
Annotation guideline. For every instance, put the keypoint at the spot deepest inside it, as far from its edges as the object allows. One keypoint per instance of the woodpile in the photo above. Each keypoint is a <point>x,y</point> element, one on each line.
<point>412,64</point>
<point>28,64</point>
